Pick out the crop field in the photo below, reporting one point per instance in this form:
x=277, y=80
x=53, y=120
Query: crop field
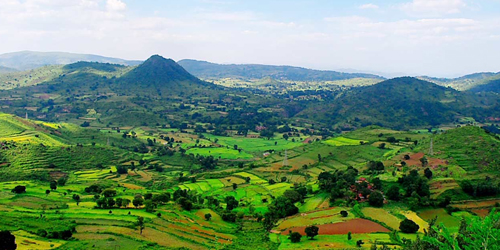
x=314, y=218
x=97, y=160
x=355, y=226
x=452, y=222
x=255, y=144
x=220, y=153
x=383, y=216
x=342, y=141
x=313, y=203
x=417, y=219
x=333, y=241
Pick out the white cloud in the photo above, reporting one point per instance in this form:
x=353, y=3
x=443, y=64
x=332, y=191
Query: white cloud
x=369, y=6
x=434, y=7
x=115, y=5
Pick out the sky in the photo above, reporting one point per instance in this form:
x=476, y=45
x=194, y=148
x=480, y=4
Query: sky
x=442, y=38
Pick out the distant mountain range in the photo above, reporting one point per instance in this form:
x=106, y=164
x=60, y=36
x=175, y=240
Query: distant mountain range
x=25, y=60
x=161, y=90
x=207, y=70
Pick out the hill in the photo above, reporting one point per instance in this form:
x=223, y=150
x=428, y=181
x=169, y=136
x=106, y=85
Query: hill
x=6, y=70
x=207, y=70
x=472, y=148
x=465, y=82
x=112, y=93
x=397, y=103
x=26, y=60
x=491, y=86
x=162, y=75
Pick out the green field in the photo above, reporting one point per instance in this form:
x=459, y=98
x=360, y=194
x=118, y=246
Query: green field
x=342, y=141
x=35, y=153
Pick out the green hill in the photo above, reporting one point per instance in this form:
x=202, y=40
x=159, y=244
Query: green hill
x=161, y=75
x=491, y=86
x=397, y=103
x=207, y=70
x=464, y=82
x=470, y=147
x=25, y=60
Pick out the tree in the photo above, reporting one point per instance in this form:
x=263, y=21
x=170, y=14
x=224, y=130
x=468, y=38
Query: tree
x=381, y=146
x=377, y=183
x=111, y=202
x=319, y=157
x=53, y=185
x=122, y=169
x=376, y=165
x=428, y=173
x=7, y=241
x=150, y=206
x=140, y=224
x=228, y=216
x=19, y=189
x=62, y=181
x=231, y=203
x=208, y=216
x=349, y=236
x=138, y=201
x=292, y=195
x=344, y=213
x=359, y=243
x=311, y=231
x=109, y=193
x=47, y=192
x=424, y=161
x=125, y=202
x=376, y=199
x=408, y=226
x=393, y=193
x=295, y=237
x=235, y=186
x=77, y=199
x=185, y=203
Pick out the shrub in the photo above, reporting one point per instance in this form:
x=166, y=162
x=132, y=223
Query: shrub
x=408, y=226
x=19, y=189
x=295, y=237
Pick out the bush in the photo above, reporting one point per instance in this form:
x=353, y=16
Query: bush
x=295, y=237
x=311, y=231
x=376, y=199
x=393, y=193
x=19, y=189
x=7, y=240
x=228, y=216
x=408, y=226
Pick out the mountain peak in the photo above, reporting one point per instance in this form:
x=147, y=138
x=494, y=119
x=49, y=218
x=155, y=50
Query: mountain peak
x=159, y=71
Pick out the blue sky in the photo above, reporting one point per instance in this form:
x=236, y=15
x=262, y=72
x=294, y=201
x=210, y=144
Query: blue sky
x=406, y=37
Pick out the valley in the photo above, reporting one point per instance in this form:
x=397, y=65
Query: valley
x=108, y=156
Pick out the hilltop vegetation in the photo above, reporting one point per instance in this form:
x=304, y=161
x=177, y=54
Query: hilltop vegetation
x=491, y=86
x=400, y=103
x=465, y=82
